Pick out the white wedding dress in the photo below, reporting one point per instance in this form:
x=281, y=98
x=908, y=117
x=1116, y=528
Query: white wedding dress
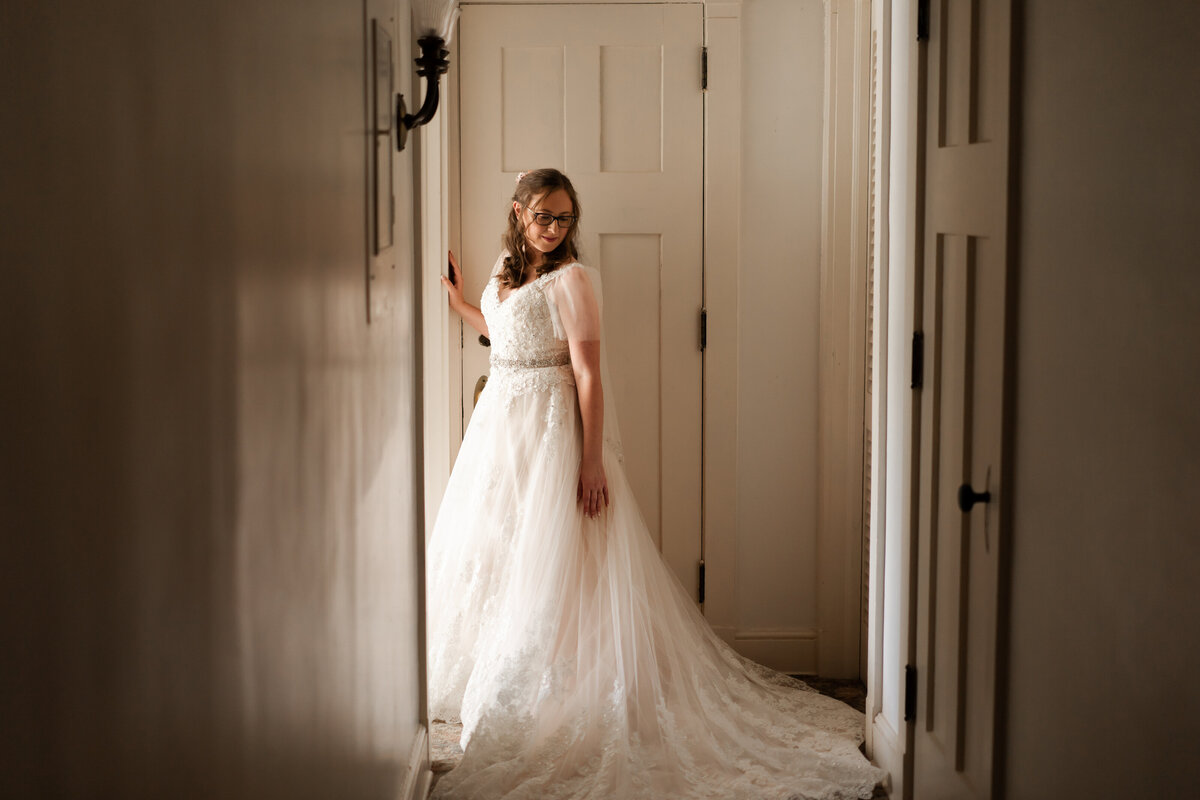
x=575, y=661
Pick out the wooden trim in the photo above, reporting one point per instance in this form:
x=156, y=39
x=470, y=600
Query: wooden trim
x=887, y=753
x=793, y=652
x=436, y=324
x=454, y=324
x=418, y=775
x=914, y=304
x=722, y=247
x=789, y=650
x=595, y=2
x=882, y=27
x=1008, y=461
x=841, y=412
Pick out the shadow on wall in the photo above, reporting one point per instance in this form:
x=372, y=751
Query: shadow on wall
x=213, y=586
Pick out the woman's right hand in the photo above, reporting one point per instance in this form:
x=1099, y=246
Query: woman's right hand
x=454, y=284
x=454, y=293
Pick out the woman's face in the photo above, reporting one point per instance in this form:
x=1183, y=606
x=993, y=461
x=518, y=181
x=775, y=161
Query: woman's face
x=545, y=238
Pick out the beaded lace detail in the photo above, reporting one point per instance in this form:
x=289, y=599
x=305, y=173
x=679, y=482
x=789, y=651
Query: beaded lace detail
x=526, y=355
x=521, y=326
x=558, y=360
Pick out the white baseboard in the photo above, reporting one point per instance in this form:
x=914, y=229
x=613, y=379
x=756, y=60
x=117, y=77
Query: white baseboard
x=887, y=753
x=418, y=776
x=424, y=785
x=793, y=651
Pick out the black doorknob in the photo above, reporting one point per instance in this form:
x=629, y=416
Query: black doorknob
x=968, y=497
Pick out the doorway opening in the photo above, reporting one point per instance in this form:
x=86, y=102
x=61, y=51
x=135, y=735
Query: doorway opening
x=841, y=616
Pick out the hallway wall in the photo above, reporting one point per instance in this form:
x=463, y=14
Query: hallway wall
x=778, y=285
x=1103, y=696
x=211, y=549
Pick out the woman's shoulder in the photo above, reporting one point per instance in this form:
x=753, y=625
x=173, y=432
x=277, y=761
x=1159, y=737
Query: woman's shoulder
x=576, y=281
x=573, y=271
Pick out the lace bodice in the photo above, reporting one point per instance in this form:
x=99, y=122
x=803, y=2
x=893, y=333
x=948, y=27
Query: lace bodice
x=529, y=336
x=522, y=326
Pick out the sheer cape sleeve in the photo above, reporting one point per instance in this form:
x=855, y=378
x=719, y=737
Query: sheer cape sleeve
x=576, y=301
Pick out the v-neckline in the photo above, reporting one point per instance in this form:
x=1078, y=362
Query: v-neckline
x=502, y=300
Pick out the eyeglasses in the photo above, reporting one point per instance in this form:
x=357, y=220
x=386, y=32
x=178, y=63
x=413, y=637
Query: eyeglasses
x=544, y=219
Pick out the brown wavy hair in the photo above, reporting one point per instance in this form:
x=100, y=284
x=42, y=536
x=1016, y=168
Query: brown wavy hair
x=533, y=185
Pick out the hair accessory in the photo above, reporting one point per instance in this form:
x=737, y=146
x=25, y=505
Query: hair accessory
x=521, y=175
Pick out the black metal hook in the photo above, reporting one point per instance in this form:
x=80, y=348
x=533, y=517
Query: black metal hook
x=431, y=65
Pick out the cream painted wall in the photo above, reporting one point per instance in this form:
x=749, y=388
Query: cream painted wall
x=778, y=321
x=210, y=478
x=1106, y=529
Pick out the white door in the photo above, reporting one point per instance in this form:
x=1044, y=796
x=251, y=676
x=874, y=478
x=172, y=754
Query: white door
x=611, y=95
x=965, y=269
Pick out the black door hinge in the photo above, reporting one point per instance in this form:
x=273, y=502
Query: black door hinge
x=704, y=69
x=918, y=360
x=910, y=693
x=923, y=21
x=703, y=328
x=700, y=592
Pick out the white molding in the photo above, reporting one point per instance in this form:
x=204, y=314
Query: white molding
x=842, y=339
x=418, y=774
x=882, y=28
x=722, y=254
x=454, y=323
x=595, y=2
x=430, y=146
x=723, y=9
x=892, y=736
x=423, y=787
x=789, y=650
x=886, y=751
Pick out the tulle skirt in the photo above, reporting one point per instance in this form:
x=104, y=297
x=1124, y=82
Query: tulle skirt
x=575, y=661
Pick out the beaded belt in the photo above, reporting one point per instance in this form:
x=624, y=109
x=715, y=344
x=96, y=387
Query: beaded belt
x=538, y=362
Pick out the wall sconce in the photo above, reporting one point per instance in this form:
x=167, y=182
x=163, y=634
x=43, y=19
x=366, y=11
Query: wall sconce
x=433, y=21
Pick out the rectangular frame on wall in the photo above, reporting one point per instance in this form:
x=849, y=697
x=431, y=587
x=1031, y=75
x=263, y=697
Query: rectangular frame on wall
x=380, y=70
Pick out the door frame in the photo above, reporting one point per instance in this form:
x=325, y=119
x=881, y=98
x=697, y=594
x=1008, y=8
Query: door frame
x=833, y=648
x=897, y=423
x=843, y=357
x=436, y=171
x=722, y=258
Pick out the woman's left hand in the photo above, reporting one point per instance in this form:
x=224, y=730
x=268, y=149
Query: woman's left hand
x=593, y=487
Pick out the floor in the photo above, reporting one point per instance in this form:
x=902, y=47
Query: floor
x=446, y=753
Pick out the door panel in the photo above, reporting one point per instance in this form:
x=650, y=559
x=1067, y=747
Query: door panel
x=611, y=95
x=965, y=277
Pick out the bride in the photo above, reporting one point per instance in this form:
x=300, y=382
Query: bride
x=576, y=663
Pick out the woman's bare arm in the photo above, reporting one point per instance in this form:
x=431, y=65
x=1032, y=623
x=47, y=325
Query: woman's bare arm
x=471, y=314
x=593, y=484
